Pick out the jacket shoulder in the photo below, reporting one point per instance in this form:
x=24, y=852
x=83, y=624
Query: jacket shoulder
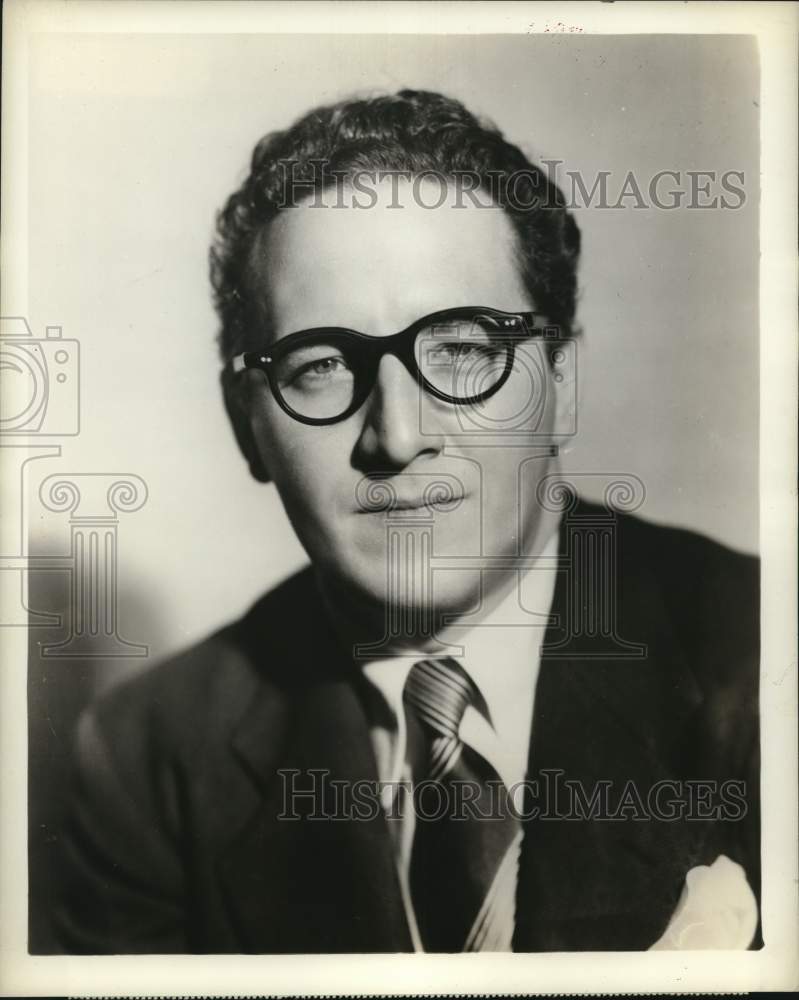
x=711, y=597
x=709, y=589
x=184, y=708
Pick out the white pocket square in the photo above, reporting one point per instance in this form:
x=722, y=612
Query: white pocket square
x=717, y=909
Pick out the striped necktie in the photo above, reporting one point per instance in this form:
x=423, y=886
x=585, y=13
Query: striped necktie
x=465, y=849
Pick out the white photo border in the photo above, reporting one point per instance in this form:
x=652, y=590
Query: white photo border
x=772, y=967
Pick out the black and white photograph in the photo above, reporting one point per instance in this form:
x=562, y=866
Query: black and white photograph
x=398, y=468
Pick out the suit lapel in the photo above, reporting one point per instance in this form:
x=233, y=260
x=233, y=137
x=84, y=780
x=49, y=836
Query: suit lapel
x=312, y=884
x=600, y=717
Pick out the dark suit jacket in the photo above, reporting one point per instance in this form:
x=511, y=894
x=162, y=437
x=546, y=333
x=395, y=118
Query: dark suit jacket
x=174, y=844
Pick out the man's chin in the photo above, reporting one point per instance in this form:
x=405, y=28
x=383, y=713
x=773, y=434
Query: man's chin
x=390, y=598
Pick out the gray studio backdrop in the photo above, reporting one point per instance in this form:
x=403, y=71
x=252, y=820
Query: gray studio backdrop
x=135, y=141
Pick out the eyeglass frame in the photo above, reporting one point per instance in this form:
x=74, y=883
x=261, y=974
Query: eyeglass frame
x=519, y=326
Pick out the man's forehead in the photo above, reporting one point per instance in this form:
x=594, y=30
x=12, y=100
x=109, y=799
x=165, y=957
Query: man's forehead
x=383, y=265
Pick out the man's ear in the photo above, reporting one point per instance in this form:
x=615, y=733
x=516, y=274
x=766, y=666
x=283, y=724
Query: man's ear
x=236, y=396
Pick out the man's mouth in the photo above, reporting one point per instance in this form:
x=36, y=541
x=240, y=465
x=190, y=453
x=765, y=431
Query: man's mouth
x=384, y=501
x=424, y=492
x=420, y=503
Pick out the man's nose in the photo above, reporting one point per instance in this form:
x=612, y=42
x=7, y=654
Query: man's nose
x=392, y=435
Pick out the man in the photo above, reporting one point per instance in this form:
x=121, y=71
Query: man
x=489, y=716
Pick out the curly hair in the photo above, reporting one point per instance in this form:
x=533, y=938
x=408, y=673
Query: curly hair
x=411, y=132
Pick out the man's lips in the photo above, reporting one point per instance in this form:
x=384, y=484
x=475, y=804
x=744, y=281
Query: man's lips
x=433, y=502
x=432, y=492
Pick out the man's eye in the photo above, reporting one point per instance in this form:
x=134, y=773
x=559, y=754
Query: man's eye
x=458, y=351
x=321, y=369
x=326, y=365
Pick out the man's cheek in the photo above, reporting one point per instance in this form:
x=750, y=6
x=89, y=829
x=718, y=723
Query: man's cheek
x=315, y=500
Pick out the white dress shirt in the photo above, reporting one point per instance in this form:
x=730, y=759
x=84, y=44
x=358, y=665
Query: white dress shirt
x=501, y=654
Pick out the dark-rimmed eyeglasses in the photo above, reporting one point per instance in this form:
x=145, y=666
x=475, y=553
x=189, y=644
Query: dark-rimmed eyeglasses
x=460, y=356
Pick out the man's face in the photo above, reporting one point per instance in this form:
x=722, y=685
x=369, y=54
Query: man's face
x=377, y=270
